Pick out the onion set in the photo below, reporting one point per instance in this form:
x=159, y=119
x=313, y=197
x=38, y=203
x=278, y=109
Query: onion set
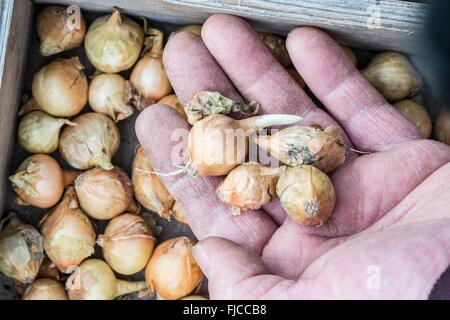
x=39, y=181
x=278, y=48
x=293, y=146
x=39, y=132
x=179, y=214
x=148, y=189
x=45, y=289
x=149, y=77
x=307, y=195
x=417, y=114
x=59, y=29
x=172, y=101
x=111, y=94
x=69, y=236
x=21, y=249
x=193, y=28
x=95, y=280
x=104, y=194
x=60, y=88
x=127, y=243
x=249, y=186
x=113, y=43
x=91, y=143
x=206, y=103
x=172, y=270
x=49, y=270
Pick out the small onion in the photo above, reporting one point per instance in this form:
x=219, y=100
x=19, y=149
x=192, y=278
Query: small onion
x=59, y=29
x=45, y=289
x=194, y=298
x=39, y=132
x=417, y=114
x=193, y=28
x=21, y=250
x=113, y=43
x=49, y=270
x=39, y=181
x=61, y=88
x=70, y=176
x=91, y=143
x=94, y=280
x=149, y=77
x=104, y=194
x=172, y=270
x=111, y=94
x=173, y=101
x=351, y=55
x=127, y=243
x=277, y=46
x=69, y=236
x=442, y=128
x=148, y=189
x=307, y=195
x=179, y=214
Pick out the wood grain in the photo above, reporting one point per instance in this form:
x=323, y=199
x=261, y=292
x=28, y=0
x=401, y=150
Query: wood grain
x=350, y=22
x=15, y=23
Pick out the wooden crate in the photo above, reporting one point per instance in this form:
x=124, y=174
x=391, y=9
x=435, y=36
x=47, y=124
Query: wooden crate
x=352, y=23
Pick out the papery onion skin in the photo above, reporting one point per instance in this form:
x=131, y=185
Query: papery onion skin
x=417, y=114
x=39, y=132
x=350, y=54
x=95, y=280
x=48, y=270
x=91, y=143
x=442, y=128
x=39, y=181
x=69, y=236
x=172, y=270
x=61, y=88
x=148, y=189
x=193, y=28
x=104, y=194
x=149, y=77
x=179, y=214
x=277, y=46
x=127, y=243
x=249, y=186
x=307, y=195
x=113, y=43
x=45, y=289
x=172, y=101
x=21, y=250
x=59, y=30
x=111, y=94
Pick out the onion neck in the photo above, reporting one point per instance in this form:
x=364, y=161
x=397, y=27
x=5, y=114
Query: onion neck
x=264, y=121
x=154, y=43
x=25, y=180
x=124, y=287
x=115, y=18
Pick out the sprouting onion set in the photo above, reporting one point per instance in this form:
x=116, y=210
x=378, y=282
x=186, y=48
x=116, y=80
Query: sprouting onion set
x=54, y=259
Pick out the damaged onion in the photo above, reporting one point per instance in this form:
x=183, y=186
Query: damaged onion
x=91, y=143
x=39, y=181
x=148, y=189
x=69, y=236
x=45, y=289
x=111, y=94
x=104, y=194
x=206, y=103
x=127, y=243
x=59, y=30
x=172, y=270
x=249, y=186
x=94, y=280
x=21, y=249
x=323, y=148
x=306, y=194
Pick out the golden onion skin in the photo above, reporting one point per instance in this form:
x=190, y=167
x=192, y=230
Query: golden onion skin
x=442, y=128
x=172, y=101
x=45, y=289
x=417, y=114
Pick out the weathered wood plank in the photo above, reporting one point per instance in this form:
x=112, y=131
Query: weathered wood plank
x=15, y=22
x=374, y=24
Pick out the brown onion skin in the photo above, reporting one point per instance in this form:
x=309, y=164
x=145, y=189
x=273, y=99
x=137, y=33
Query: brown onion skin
x=172, y=101
x=442, y=128
x=61, y=88
x=54, y=34
x=92, y=189
x=172, y=270
x=417, y=114
x=45, y=289
x=50, y=181
x=127, y=243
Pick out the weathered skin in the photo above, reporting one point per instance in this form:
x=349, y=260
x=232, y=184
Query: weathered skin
x=392, y=209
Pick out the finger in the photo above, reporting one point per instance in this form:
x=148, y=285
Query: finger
x=371, y=122
x=159, y=129
x=192, y=69
x=255, y=72
x=235, y=273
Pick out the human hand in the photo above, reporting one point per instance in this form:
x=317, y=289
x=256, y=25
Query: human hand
x=392, y=213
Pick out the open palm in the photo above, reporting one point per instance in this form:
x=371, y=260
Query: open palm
x=389, y=235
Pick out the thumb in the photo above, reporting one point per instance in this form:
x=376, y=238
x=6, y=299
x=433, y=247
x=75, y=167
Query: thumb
x=233, y=272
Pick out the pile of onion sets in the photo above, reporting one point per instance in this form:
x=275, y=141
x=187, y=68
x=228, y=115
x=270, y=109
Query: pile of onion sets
x=70, y=127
